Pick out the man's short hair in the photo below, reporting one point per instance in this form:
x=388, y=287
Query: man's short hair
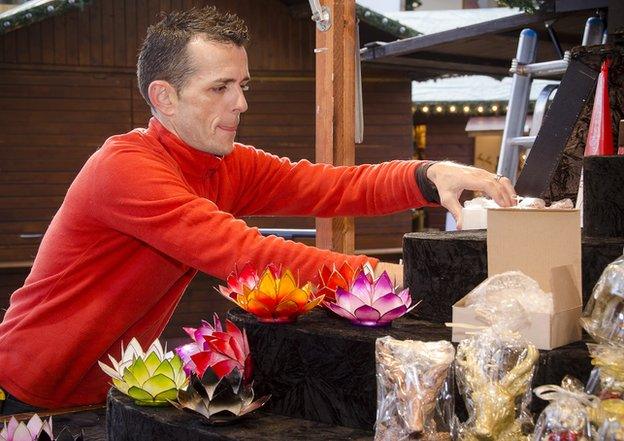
x=163, y=55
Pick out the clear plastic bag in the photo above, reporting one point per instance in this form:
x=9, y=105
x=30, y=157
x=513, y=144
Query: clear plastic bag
x=567, y=417
x=494, y=371
x=508, y=289
x=607, y=382
x=603, y=317
x=414, y=390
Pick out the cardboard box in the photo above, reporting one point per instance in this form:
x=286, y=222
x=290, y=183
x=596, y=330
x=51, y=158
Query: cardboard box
x=546, y=246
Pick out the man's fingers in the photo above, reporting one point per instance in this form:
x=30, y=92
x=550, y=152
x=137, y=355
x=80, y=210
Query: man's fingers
x=509, y=189
x=451, y=203
x=501, y=190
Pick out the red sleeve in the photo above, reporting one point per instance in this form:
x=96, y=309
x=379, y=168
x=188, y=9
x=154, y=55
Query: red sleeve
x=277, y=186
x=142, y=196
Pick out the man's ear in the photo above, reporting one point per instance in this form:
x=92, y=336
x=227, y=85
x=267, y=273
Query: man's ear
x=163, y=97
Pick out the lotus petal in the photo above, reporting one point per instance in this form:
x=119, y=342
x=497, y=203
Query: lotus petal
x=168, y=395
x=22, y=433
x=35, y=424
x=296, y=295
x=286, y=284
x=139, y=370
x=383, y=286
x=287, y=309
x=387, y=302
x=139, y=394
x=258, y=309
x=223, y=346
x=348, y=301
x=405, y=297
x=158, y=383
x=341, y=311
x=362, y=288
x=109, y=371
x=313, y=303
x=255, y=405
x=366, y=314
x=165, y=369
x=393, y=314
x=152, y=362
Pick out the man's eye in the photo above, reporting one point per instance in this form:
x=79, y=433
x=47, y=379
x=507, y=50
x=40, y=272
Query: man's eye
x=245, y=88
x=220, y=89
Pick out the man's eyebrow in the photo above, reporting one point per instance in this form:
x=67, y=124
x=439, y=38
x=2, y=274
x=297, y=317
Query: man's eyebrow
x=230, y=80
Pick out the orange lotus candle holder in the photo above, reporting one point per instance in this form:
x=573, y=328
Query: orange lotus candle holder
x=274, y=298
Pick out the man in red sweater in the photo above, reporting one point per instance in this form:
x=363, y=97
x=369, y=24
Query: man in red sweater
x=153, y=206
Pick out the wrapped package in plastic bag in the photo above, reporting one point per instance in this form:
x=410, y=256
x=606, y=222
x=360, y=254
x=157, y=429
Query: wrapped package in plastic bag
x=499, y=291
x=603, y=317
x=607, y=382
x=567, y=417
x=494, y=369
x=414, y=390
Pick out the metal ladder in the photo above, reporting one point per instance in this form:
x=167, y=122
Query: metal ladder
x=524, y=69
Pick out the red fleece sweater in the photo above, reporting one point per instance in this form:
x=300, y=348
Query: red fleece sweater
x=142, y=216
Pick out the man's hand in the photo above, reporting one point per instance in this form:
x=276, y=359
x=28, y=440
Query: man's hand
x=452, y=179
x=395, y=271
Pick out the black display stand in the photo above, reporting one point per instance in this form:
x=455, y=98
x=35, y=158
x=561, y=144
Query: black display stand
x=441, y=268
x=322, y=368
x=126, y=421
x=603, y=196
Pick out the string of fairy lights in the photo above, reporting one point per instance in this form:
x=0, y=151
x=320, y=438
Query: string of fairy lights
x=462, y=108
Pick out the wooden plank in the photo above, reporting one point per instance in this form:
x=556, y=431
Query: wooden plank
x=108, y=34
x=72, y=30
x=22, y=45
x=95, y=28
x=335, y=118
x=10, y=47
x=60, y=49
x=84, y=31
x=57, y=104
x=64, y=92
x=131, y=33
x=34, y=41
x=119, y=35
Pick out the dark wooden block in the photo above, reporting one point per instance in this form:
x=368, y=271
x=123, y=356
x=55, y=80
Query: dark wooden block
x=442, y=267
x=128, y=422
x=603, y=196
x=322, y=368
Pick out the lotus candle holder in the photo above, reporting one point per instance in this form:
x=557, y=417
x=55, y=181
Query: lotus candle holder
x=275, y=298
x=220, y=350
x=219, y=400
x=151, y=378
x=371, y=302
x=332, y=278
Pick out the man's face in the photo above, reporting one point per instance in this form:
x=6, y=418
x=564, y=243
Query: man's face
x=208, y=108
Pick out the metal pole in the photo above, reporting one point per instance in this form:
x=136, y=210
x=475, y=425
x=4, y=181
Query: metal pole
x=518, y=104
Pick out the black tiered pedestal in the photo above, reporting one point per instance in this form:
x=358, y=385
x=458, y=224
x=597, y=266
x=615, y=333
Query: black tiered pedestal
x=441, y=268
x=322, y=368
x=128, y=422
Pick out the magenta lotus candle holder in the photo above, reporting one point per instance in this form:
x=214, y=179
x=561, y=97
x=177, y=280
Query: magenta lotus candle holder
x=371, y=302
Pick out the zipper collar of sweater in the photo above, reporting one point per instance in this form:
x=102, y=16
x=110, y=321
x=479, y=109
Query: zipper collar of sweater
x=191, y=161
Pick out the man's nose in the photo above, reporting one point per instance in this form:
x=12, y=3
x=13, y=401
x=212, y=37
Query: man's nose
x=241, y=103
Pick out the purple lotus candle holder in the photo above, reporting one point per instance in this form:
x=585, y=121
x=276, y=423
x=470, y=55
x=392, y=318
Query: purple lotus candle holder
x=371, y=302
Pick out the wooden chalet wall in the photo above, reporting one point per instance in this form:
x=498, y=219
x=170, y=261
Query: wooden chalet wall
x=68, y=83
